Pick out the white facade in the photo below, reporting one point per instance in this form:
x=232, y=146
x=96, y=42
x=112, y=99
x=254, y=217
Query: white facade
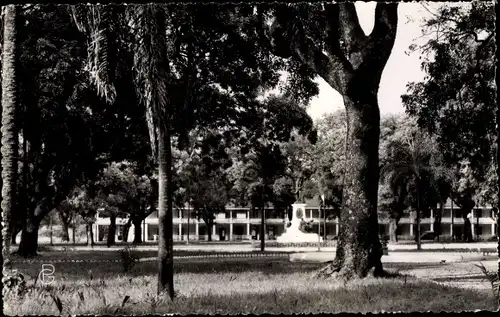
x=238, y=224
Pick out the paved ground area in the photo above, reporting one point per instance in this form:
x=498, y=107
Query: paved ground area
x=247, y=247
x=444, y=246
x=459, y=274
x=401, y=257
x=454, y=269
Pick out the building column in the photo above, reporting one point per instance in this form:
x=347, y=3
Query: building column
x=411, y=229
x=432, y=222
x=493, y=229
x=230, y=225
x=213, y=232
x=337, y=228
x=180, y=231
x=96, y=232
x=451, y=230
x=197, y=230
x=146, y=233
x=248, y=230
x=472, y=229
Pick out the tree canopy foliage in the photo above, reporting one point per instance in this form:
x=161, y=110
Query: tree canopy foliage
x=456, y=100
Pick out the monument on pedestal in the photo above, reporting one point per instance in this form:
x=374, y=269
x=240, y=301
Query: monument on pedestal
x=292, y=232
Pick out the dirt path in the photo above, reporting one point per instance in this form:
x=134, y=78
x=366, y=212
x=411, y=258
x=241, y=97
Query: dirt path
x=460, y=274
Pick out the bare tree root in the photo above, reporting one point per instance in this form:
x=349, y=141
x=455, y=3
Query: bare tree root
x=328, y=271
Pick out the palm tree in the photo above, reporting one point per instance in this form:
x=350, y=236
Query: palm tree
x=9, y=129
x=140, y=29
x=412, y=168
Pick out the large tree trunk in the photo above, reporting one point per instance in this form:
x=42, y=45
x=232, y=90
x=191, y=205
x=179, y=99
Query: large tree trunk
x=209, y=230
x=437, y=220
x=137, y=230
x=393, y=227
x=73, y=232
x=189, y=220
x=65, y=230
x=29, y=237
x=359, y=248
x=418, y=234
x=466, y=204
x=467, y=229
x=9, y=134
x=126, y=229
x=112, y=230
x=90, y=235
x=165, y=213
x=33, y=218
x=262, y=227
x=353, y=67
x=51, y=232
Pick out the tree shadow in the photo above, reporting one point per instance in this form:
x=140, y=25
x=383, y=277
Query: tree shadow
x=105, y=270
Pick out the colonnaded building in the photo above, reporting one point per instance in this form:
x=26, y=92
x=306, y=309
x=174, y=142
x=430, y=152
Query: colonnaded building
x=237, y=224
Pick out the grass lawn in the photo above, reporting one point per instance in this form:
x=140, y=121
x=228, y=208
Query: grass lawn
x=230, y=287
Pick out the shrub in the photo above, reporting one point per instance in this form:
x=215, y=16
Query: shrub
x=13, y=282
x=128, y=259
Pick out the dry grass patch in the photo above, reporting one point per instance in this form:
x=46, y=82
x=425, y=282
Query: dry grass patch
x=276, y=288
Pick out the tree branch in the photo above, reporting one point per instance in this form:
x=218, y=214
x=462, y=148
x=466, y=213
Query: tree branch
x=288, y=38
x=379, y=45
x=333, y=40
x=352, y=36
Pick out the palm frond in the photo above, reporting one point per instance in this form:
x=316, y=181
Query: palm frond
x=387, y=171
x=96, y=22
x=494, y=281
x=151, y=65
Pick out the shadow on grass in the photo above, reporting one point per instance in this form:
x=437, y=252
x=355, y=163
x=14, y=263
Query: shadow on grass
x=79, y=270
x=456, y=278
x=405, y=265
x=115, y=254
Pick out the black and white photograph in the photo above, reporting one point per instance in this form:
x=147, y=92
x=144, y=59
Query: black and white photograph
x=234, y=158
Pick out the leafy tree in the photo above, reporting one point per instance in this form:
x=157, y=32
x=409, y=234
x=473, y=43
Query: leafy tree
x=327, y=40
x=262, y=160
x=124, y=193
x=57, y=118
x=300, y=156
x=486, y=192
x=9, y=128
x=284, y=197
x=410, y=169
x=66, y=215
x=211, y=199
x=115, y=188
x=458, y=93
x=203, y=178
x=330, y=159
x=191, y=82
x=144, y=202
x=392, y=204
x=84, y=201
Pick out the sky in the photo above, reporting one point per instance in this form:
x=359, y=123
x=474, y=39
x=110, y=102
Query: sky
x=399, y=70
